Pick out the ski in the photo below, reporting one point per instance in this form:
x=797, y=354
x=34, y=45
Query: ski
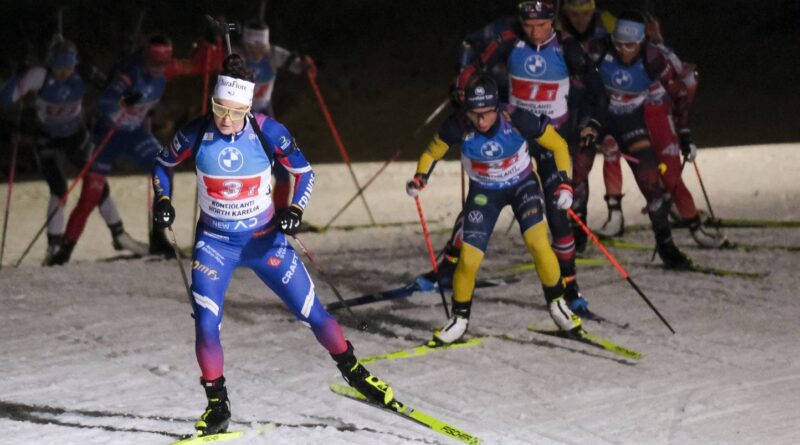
x=410, y=289
x=410, y=413
x=729, y=245
x=421, y=350
x=588, y=338
x=579, y=261
x=752, y=223
x=716, y=271
x=219, y=437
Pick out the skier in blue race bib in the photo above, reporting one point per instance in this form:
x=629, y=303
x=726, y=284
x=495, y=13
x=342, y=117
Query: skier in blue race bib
x=60, y=133
x=495, y=139
x=234, y=153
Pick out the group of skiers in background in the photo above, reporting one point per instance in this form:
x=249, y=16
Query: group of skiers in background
x=536, y=97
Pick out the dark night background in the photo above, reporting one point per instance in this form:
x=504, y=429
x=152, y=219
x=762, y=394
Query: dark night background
x=385, y=65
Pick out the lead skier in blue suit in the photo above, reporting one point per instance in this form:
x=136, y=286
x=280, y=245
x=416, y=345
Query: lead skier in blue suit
x=234, y=153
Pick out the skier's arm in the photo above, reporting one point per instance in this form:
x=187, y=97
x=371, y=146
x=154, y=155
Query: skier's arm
x=582, y=69
x=539, y=129
x=283, y=58
x=285, y=150
x=497, y=51
x=449, y=134
x=21, y=84
x=120, y=86
x=174, y=153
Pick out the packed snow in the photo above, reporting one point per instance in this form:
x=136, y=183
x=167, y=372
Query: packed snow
x=101, y=351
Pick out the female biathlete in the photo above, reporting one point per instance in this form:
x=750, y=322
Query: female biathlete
x=234, y=153
x=495, y=140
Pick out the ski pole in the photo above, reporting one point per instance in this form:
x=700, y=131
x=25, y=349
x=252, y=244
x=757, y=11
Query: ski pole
x=12, y=171
x=312, y=74
x=362, y=325
x=433, y=115
x=174, y=243
x=361, y=190
x=705, y=195
x=75, y=181
x=619, y=268
x=431, y=253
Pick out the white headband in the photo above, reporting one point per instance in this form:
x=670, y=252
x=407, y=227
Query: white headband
x=256, y=36
x=237, y=90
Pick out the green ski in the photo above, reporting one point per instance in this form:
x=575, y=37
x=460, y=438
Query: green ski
x=421, y=350
x=590, y=339
x=412, y=414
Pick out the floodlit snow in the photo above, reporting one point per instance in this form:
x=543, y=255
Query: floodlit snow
x=101, y=352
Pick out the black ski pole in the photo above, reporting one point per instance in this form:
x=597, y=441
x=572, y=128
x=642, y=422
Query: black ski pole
x=705, y=195
x=616, y=265
x=179, y=258
x=362, y=325
x=12, y=170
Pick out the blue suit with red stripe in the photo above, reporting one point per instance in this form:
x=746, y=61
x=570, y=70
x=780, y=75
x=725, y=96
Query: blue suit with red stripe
x=237, y=227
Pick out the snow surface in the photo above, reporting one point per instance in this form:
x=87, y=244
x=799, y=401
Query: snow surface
x=102, y=352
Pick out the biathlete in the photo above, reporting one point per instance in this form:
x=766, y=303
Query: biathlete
x=234, y=153
x=60, y=133
x=629, y=79
x=495, y=139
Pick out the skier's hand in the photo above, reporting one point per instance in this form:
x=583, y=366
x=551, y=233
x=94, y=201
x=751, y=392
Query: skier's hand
x=163, y=213
x=589, y=134
x=131, y=98
x=564, y=193
x=414, y=186
x=289, y=220
x=688, y=148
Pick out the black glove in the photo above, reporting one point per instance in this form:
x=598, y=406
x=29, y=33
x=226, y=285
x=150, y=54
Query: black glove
x=290, y=219
x=589, y=132
x=131, y=98
x=163, y=213
x=688, y=148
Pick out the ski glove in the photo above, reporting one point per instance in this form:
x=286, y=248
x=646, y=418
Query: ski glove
x=163, y=213
x=414, y=186
x=688, y=148
x=290, y=219
x=564, y=193
x=131, y=98
x=589, y=134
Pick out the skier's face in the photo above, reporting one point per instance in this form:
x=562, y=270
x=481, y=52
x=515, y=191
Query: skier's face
x=228, y=115
x=538, y=30
x=627, y=50
x=255, y=52
x=62, y=73
x=482, y=118
x=579, y=20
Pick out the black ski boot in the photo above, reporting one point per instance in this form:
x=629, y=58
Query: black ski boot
x=53, y=244
x=159, y=244
x=447, y=267
x=62, y=253
x=357, y=376
x=217, y=415
x=672, y=257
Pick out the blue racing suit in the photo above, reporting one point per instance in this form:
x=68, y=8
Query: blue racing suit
x=237, y=227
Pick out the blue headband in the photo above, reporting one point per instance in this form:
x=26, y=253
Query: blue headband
x=629, y=31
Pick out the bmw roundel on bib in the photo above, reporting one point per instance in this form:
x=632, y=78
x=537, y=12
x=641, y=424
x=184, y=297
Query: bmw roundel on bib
x=535, y=65
x=230, y=159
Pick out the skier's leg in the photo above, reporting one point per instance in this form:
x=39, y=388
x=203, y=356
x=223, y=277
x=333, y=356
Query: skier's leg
x=529, y=210
x=612, y=176
x=213, y=263
x=481, y=211
x=274, y=260
x=48, y=158
x=582, y=164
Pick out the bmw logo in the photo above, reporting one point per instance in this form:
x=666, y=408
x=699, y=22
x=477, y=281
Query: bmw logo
x=491, y=149
x=621, y=79
x=535, y=65
x=230, y=159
